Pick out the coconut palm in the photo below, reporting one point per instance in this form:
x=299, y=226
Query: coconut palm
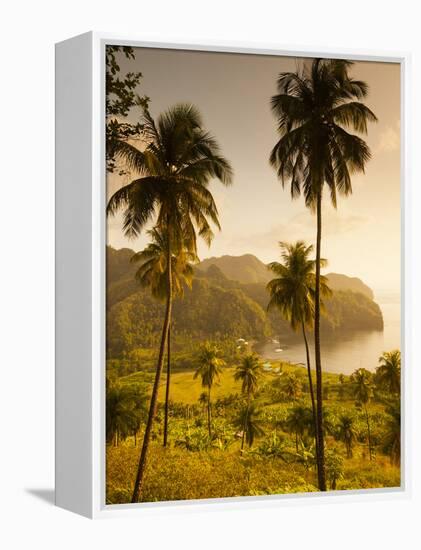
x=209, y=369
x=392, y=437
x=125, y=410
x=341, y=388
x=152, y=274
x=175, y=167
x=345, y=432
x=334, y=467
x=249, y=420
x=315, y=107
x=292, y=386
x=298, y=422
x=292, y=292
x=363, y=392
x=248, y=372
x=388, y=374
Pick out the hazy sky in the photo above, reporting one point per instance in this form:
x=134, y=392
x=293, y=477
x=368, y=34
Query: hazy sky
x=361, y=238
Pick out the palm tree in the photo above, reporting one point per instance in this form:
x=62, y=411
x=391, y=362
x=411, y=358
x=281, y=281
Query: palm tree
x=334, y=467
x=249, y=420
x=392, y=438
x=152, y=274
x=292, y=292
x=249, y=373
x=292, y=386
x=345, y=432
x=363, y=392
x=209, y=369
x=177, y=163
x=388, y=374
x=341, y=390
x=125, y=409
x=298, y=421
x=314, y=108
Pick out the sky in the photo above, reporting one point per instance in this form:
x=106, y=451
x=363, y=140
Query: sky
x=361, y=238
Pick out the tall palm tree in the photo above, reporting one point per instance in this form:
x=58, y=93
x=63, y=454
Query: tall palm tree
x=363, y=392
x=345, y=432
x=248, y=372
x=292, y=292
x=388, y=374
x=209, y=369
x=176, y=165
x=152, y=274
x=249, y=420
x=315, y=107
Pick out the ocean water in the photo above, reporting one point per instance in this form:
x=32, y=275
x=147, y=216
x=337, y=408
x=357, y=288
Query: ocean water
x=345, y=351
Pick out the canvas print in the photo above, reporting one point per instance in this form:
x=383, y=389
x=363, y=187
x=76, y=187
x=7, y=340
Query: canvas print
x=253, y=275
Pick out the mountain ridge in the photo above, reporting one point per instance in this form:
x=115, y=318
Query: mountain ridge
x=255, y=271
x=215, y=307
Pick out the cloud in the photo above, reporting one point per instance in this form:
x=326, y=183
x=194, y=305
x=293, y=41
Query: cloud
x=302, y=226
x=389, y=139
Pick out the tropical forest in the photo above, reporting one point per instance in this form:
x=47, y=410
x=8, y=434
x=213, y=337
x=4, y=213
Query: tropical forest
x=252, y=336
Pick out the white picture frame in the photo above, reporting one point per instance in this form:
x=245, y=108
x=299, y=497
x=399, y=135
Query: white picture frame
x=80, y=277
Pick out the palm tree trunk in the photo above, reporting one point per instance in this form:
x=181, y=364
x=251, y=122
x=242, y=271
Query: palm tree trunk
x=368, y=432
x=348, y=449
x=245, y=423
x=209, y=412
x=167, y=389
x=310, y=381
x=137, y=491
x=321, y=475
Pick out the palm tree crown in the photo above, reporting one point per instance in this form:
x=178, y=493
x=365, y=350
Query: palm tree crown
x=388, y=374
x=313, y=109
x=249, y=373
x=209, y=365
x=363, y=387
x=346, y=432
x=249, y=420
x=178, y=161
x=293, y=289
x=152, y=272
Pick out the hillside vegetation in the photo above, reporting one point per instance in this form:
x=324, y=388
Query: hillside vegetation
x=217, y=307
x=281, y=460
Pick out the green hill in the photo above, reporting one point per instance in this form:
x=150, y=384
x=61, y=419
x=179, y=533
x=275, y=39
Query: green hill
x=207, y=311
x=246, y=268
x=217, y=307
x=337, y=281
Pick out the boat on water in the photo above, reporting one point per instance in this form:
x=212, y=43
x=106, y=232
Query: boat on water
x=278, y=350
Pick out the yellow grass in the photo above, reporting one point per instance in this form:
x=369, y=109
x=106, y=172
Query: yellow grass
x=186, y=389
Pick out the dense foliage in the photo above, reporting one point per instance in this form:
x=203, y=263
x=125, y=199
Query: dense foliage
x=279, y=453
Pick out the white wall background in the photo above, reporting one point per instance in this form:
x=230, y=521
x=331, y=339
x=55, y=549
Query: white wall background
x=28, y=32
